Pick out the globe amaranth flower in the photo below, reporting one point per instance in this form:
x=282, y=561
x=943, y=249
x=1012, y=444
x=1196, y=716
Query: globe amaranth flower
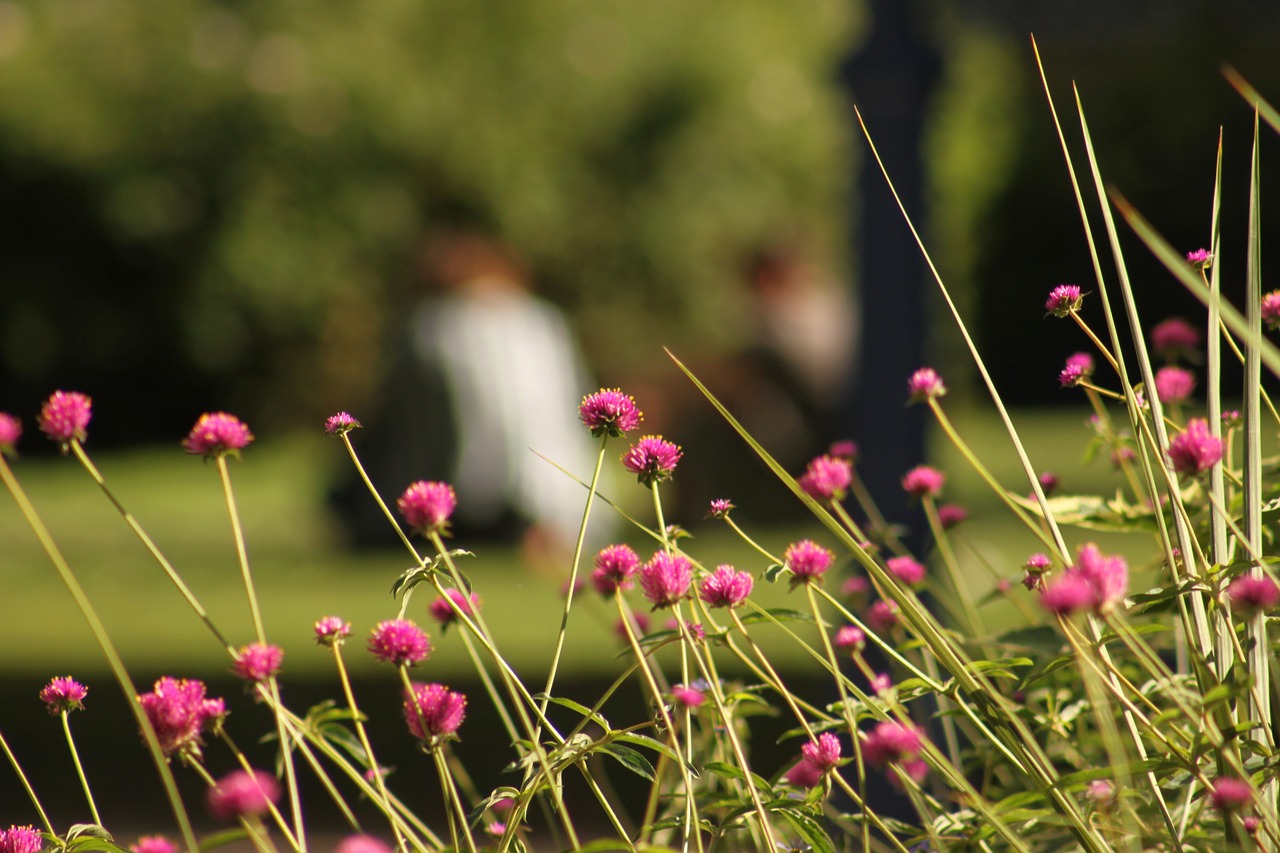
x=1271, y=309
x=1229, y=793
x=665, y=579
x=1101, y=792
x=1195, y=450
x=891, y=741
x=243, y=794
x=719, y=508
x=1108, y=576
x=10, y=432
x=687, y=698
x=1049, y=483
x=1174, y=337
x=362, y=844
x=426, y=506
x=64, y=694
x=807, y=561
x=949, y=515
x=651, y=459
x=726, y=587
x=153, y=844
x=1064, y=299
x=827, y=478
x=399, y=642
x=340, y=424
x=804, y=774
x=21, y=839
x=1035, y=566
x=445, y=613
x=1253, y=594
x=258, y=662
x=1200, y=258
x=925, y=384
x=1174, y=385
x=881, y=683
x=906, y=569
x=609, y=412
x=65, y=416
x=1078, y=367
x=179, y=712
x=614, y=567
x=433, y=711
x=882, y=616
x=850, y=638
x=855, y=587
x=923, y=481
x=331, y=630
x=1066, y=593
x=217, y=434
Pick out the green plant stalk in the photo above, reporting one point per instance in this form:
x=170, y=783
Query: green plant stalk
x=745, y=538
x=327, y=784
x=26, y=785
x=75, y=758
x=453, y=800
x=657, y=514
x=60, y=564
x=845, y=706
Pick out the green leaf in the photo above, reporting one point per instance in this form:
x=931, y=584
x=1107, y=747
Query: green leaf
x=629, y=758
x=577, y=707
x=223, y=838
x=808, y=829
x=775, y=614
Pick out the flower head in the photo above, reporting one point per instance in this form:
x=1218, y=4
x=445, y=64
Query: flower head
x=614, y=567
x=1271, y=309
x=21, y=839
x=726, y=587
x=949, y=515
x=1200, y=258
x=843, y=449
x=881, y=683
x=651, y=459
x=1064, y=299
x=609, y=412
x=807, y=561
x=258, y=662
x=891, y=741
x=823, y=753
x=433, y=710
x=689, y=698
x=1253, y=594
x=1174, y=336
x=331, y=630
x=804, y=774
x=64, y=694
x=445, y=613
x=1229, y=793
x=882, y=616
x=10, y=432
x=855, y=587
x=1108, y=577
x=719, y=508
x=340, y=424
x=65, y=416
x=1035, y=566
x=665, y=579
x=362, y=844
x=426, y=506
x=399, y=642
x=826, y=478
x=1195, y=450
x=850, y=638
x=925, y=384
x=243, y=794
x=1049, y=482
x=1067, y=593
x=905, y=569
x=153, y=844
x=923, y=481
x=1174, y=385
x=179, y=713
x=217, y=434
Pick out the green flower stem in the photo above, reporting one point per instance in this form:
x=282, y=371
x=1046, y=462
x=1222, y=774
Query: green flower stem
x=75, y=757
x=151, y=547
x=958, y=587
x=872, y=511
x=858, y=533
x=612, y=815
x=745, y=538
x=657, y=514
x=363, y=735
x=108, y=649
x=1231, y=342
x=1104, y=417
x=368, y=484
x=453, y=803
x=774, y=679
x=327, y=783
x=573, y=580
x=26, y=785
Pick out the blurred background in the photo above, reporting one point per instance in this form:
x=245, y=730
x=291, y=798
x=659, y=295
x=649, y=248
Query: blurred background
x=223, y=205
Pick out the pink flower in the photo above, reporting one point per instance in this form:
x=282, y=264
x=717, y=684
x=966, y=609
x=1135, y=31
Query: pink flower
x=445, y=613
x=1229, y=794
x=330, y=631
x=850, y=638
x=243, y=794
x=689, y=698
x=10, y=432
x=1200, y=258
x=881, y=684
x=925, y=384
x=153, y=844
x=258, y=662
x=426, y=506
x=891, y=741
x=726, y=587
x=1064, y=299
x=1174, y=336
x=217, y=434
x=805, y=774
x=651, y=459
x=179, y=713
x=1067, y=593
x=827, y=478
x=1108, y=577
x=665, y=579
x=915, y=769
x=845, y=449
x=923, y=481
x=720, y=508
x=21, y=839
x=855, y=587
x=64, y=694
x=1101, y=791
x=614, y=567
x=1271, y=309
x=905, y=569
x=1049, y=483
x=1195, y=450
x=807, y=561
x=641, y=626
x=340, y=424
x=1174, y=385
x=399, y=642
x=1079, y=366
x=362, y=844
x=609, y=412
x=1036, y=566
x=433, y=710
x=949, y=515
x=65, y=416
x=823, y=753
x=882, y=616
x=1253, y=594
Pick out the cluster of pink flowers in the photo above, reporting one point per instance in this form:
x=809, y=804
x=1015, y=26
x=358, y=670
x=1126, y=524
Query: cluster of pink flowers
x=258, y=662
x=433, y=711
x=1079, y=367
x=446, y=614
x=1174, y=385
x=665, y=579
x=949, y=515
x=243, y=794
x=217, y=434
x=850, y=638
x=179, y=712
x=1200, y=258
x=807, y=561
x=1064, y=299
x=63, y=695
x=925, y=384
x=153, y=844
x=10, y=432
x=1035, y=566
x=906, y=569
x=614, y=567
x=1271, y=309
x=1097, y=582
x=65, y=416
x=892, y=742
x=1174, y=337
x=331, y=630
x=1253, y=594
x=726, y=587
x=923, y=481
x=1195, y=450
x=1229, y=794
x=340, y=424
x=609, y=412
x=882, y=616
x=362, y=844
x=21, y=839
x=688, y=698
x=399, y=642
x=719, y=508
x=427, y=505
x=827, y=478
x=817, y=758
x=651, y=459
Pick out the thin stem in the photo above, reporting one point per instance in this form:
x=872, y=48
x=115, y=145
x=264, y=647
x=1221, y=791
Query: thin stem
x=26, y=785
x=75, y=757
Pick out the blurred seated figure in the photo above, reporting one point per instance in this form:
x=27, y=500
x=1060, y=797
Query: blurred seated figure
x=485, y=374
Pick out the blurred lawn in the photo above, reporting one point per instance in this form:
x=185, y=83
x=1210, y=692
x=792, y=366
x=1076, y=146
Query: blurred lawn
x=302, y=575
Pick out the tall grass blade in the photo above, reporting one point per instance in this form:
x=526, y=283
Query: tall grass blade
x=1269, y=113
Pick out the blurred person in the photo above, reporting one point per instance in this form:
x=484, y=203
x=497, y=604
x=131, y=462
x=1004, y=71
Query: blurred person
x=485, y=374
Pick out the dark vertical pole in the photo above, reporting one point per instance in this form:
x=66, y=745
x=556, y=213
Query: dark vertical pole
x=890, y=80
